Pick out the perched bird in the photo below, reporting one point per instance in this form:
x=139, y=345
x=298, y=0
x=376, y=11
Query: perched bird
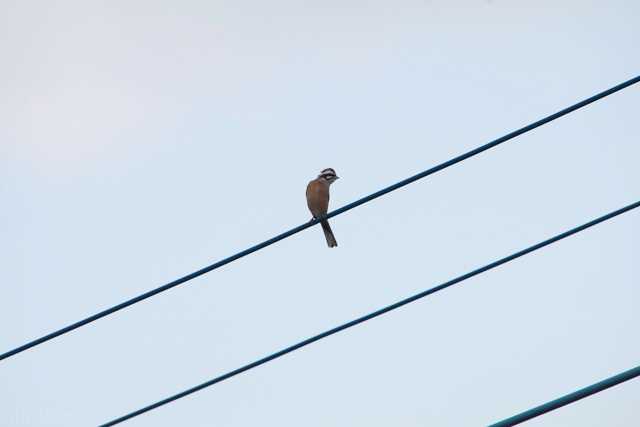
x=318, y=201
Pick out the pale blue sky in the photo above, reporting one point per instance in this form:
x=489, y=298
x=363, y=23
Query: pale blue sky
x=142, y=140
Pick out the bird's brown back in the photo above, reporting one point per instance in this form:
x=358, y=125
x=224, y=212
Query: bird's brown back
x=318, y=197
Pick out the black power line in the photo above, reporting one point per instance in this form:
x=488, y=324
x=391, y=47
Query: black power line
x=373, y=314
x=569, y=398
x=299, y=228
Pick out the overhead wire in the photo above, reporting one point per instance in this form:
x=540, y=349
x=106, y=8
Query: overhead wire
x=374, y=314
x=302, y=227
x=569, y=398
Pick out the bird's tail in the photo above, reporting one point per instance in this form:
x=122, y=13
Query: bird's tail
x=328, y=234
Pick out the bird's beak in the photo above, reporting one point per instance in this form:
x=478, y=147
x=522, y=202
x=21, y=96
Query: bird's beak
x=337, y=177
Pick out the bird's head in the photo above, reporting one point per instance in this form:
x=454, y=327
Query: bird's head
x=328, y=175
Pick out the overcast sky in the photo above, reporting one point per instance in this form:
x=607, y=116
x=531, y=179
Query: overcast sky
x=143, y=140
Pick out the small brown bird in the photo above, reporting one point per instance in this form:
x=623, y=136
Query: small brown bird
x=318, y=201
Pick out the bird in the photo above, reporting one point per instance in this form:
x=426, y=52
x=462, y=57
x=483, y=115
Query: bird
x=318, y=201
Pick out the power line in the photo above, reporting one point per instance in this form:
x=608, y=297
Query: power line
x=569, y=398
x=373, y=314
x=302, y=227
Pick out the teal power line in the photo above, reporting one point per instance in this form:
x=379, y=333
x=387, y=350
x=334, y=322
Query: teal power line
x=374, y=314
x=306, y=225
x=569, y=398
